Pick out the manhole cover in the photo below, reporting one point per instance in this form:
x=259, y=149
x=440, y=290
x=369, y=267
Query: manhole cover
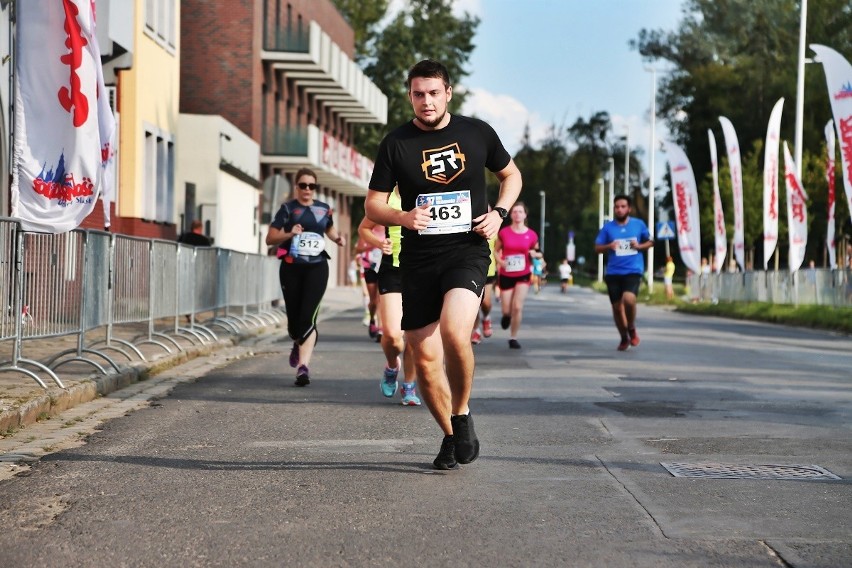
x=735, y=471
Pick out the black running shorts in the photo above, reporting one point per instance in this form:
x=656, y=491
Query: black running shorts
x=508, y=282
x=370, y=276
x=618, y=284
x=390, y=279
x=426, y=279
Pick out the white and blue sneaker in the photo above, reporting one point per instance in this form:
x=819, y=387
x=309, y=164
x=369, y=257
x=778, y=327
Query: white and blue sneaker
x=409, y=395
x=389, y=380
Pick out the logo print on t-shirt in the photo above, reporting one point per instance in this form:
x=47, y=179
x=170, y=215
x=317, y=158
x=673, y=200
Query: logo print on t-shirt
x=443, y=165
x=319, y=212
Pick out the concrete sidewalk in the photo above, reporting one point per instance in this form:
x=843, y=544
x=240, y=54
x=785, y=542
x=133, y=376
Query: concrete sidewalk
x=24, y=402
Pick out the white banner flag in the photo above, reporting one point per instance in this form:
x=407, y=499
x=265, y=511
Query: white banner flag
x=720, y=232
x=797, y=213
x=107, y=132
x=829, y=178
x=57, y=166
x=770, y=183
x=685, y=193
x=733, y=147
x=838, y=77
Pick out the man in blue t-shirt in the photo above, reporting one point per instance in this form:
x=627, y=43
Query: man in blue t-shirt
x=622, y=239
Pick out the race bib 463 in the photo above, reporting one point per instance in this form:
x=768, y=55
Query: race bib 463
x=450, y=211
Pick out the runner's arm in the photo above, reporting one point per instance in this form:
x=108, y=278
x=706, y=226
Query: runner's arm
x=336, y=237
x=510, y=189
x=366, y=234
x=643, y=246
x=498, y=252
x=377, y=209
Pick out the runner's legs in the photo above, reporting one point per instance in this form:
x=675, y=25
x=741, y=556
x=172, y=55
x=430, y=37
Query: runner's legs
x=390, y=313
x=429, y=365
x=518, y=298
x=457, y=317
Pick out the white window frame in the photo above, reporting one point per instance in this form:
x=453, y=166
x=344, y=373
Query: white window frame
x=158, y=175
x=160, y=17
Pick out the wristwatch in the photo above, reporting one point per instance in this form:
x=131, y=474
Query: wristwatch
x=502, y=212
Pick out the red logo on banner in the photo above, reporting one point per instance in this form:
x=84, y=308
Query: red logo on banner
x=73, y=97
x=846, y=144
x=60, y=185
x=845, y=92
x=682, y=208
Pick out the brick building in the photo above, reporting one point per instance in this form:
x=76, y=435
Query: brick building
x=282, y=72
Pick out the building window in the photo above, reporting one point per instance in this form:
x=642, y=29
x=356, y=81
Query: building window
x=160, y=16
x=159, y=197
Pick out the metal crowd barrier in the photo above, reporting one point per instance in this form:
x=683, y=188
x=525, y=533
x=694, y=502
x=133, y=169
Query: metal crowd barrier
x=807, y=286
x=81, y=283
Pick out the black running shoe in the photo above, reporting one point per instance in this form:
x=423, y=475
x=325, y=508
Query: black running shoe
x=513, y=344
x=467, y=444
x=505, y=322
x=447, y=456
x=302, y=377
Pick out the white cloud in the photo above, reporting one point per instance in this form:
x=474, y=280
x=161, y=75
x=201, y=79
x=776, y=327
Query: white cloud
x=507, y=115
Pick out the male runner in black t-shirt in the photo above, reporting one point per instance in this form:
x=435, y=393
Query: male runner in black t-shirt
x=439, y=160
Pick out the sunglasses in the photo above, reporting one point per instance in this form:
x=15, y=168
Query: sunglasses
x=303, y=185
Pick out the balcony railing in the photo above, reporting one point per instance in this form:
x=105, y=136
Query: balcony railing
x=282, y=141
x=285, y=36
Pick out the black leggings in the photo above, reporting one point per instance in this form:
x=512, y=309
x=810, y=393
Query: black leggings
x=303, y=286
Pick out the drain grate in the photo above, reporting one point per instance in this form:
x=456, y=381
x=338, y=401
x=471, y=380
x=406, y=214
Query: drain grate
x=734, y=471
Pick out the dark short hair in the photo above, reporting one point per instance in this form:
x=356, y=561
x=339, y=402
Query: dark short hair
x=304, y=172
x=624, y=197
x=428, y=69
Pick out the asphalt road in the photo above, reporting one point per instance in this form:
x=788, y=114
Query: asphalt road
x=241, y=468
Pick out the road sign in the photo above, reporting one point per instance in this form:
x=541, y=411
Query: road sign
x=665, y=231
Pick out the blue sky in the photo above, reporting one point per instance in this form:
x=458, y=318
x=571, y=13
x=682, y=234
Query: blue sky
x=546, y=61
x=540, y=62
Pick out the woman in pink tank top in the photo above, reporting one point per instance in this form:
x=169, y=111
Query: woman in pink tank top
x=512, y=250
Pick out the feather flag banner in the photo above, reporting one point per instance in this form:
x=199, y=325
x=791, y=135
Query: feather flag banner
x=57, y=168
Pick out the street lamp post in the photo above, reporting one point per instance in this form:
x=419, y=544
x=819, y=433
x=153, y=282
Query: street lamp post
x=600, y=224
x=627, y=161
x=800, y=89
x=541, y=236
x=652, y=205
x=611, y=184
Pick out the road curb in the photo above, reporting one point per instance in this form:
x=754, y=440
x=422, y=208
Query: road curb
x=55, y=401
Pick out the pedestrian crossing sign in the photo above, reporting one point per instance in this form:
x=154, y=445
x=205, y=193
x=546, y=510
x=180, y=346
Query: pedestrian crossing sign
x=665, y=231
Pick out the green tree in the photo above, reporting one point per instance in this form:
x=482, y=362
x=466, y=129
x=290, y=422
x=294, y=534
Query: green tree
x=735, y=58
x=423, y=29
x=362, y=15
x=567, y=167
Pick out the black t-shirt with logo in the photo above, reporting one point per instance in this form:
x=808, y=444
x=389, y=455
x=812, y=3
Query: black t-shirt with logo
x=447, y=160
